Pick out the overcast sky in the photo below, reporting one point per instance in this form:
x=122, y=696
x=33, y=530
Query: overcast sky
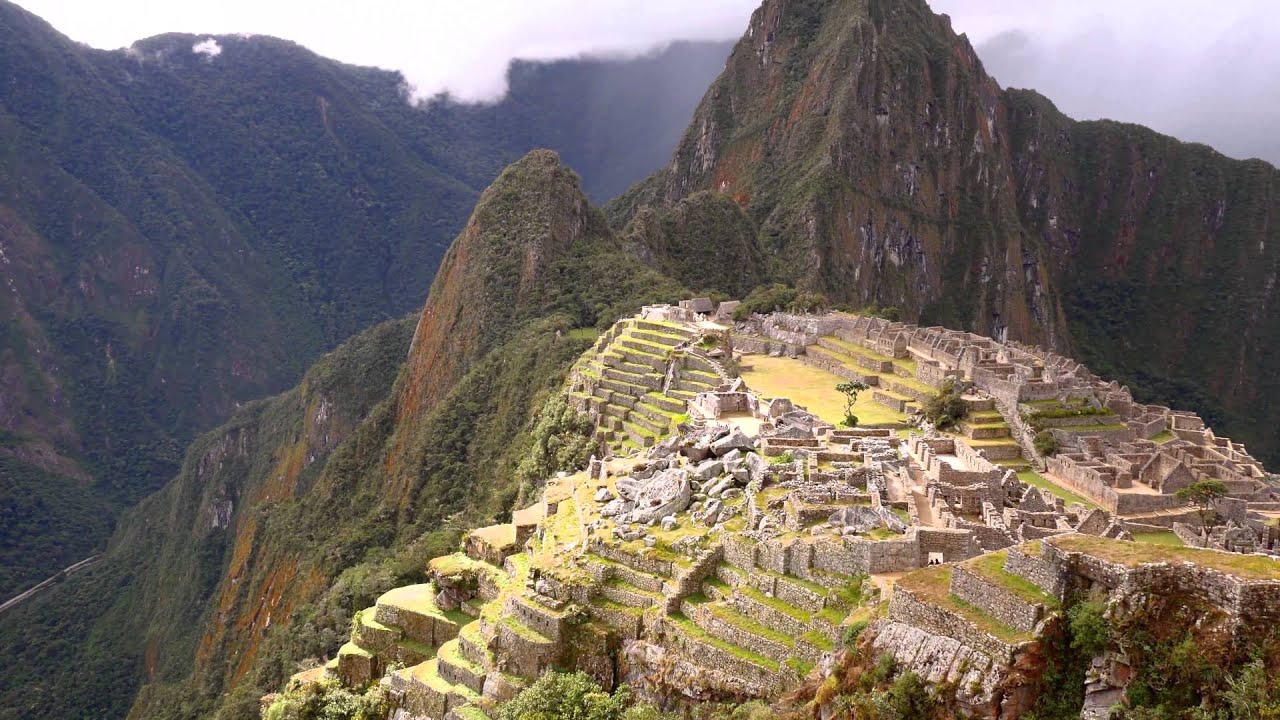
x=1201, y=71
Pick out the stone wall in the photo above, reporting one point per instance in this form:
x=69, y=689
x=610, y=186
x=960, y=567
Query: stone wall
x=954, y=545
x=907, y=608
x=1035, y=570
x=999, y=602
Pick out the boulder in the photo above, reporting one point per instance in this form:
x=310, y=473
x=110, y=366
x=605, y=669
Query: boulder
x=756, y=466
x=666, y=493
x=603, y=495
x=736, y=440
x=669, y=523
x=708, y=470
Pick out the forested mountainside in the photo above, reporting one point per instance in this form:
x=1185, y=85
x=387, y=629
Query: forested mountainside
x=304, y=507
x=880, y=165
x=180, y=234
x=277, y=528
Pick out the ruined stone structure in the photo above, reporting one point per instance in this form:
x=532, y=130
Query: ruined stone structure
x=720, y=539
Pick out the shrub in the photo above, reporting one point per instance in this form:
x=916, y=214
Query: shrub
x=566, y=696
x=773, y=298
x=1046, y=443
x=1090, y=632
x=853, y=631
x=946, y=408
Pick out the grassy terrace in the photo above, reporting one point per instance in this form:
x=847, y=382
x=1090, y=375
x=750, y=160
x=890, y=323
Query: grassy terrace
x=813, y=388
x=1163, y=437
x=1130, y=554
x=1159, y=538
x=991, y=568
x=420, y=599
x=1035, y=479
x=681, y=621
x=854, y=348
x=933, y=584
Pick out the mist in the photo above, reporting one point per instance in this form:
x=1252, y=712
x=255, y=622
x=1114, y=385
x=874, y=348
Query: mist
x=1207, y=73
x=1199, y=72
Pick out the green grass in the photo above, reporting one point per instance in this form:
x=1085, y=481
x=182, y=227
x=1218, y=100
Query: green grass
x=812, y=388
x=991, y=568
x=1163, y=437
x=1133, y=554
x=1035, y=479
x=1166, y=537
x=818, y=640
x=682, y=621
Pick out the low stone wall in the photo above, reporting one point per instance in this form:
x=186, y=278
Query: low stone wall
x=543, y=620
x=626, y=623
x=905, y=607
x=997, y=601
x=639, y=562
x=1035, y=570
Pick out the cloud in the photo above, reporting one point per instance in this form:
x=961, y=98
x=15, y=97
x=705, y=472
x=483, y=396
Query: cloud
x=208, y=47
x=1200, y=75
x=459, y=47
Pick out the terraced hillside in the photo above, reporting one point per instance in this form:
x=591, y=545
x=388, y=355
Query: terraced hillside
x=637, y=380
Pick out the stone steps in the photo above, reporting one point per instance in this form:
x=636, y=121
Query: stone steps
x=894, y=401
x=603, y=568
x=474, y=646
x=838, y=364
x=999, y=449
x=847, y=350
x=716, y=652
x=771, y=612
x=658, y=337
x=652, y=381
x=457, y=669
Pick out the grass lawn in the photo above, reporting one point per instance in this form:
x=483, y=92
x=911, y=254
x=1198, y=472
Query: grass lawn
x=1133, y=554
x=1159, y=538
x=1035, y=479
x=812, y=387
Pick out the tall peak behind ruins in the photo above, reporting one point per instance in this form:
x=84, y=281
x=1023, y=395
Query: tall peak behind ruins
x=881, y=165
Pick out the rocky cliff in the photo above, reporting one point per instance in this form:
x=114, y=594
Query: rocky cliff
x=881, y=165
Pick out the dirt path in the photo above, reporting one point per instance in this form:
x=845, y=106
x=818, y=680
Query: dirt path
x=923, y=510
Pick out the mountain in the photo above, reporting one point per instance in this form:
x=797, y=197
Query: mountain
x=882, y=166
x=181, y=234
x=304, y=507
x=853, y=147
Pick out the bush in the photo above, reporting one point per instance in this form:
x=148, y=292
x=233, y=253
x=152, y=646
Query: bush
x=1090, y=632
x=946, y=408
x=853, y=631
x=1046, y=443
x=566, y=696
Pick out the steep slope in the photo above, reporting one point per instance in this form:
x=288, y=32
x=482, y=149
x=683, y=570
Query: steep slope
x=304, y=490
x=181, y=233
x=883, y=166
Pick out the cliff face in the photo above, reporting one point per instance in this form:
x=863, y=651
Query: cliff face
x=881, y=165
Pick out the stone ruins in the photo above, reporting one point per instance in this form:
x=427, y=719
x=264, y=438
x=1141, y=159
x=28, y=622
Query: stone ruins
x=721, y=538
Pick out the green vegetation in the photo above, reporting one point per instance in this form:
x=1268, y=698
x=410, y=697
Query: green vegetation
x=1159, y=538
x=1045, y=443
x=947, y=407
x=1249, y=567
x=566, y=696
x=850, y=390
x=1204, y=494
x=776, y=297
x=329, y=700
